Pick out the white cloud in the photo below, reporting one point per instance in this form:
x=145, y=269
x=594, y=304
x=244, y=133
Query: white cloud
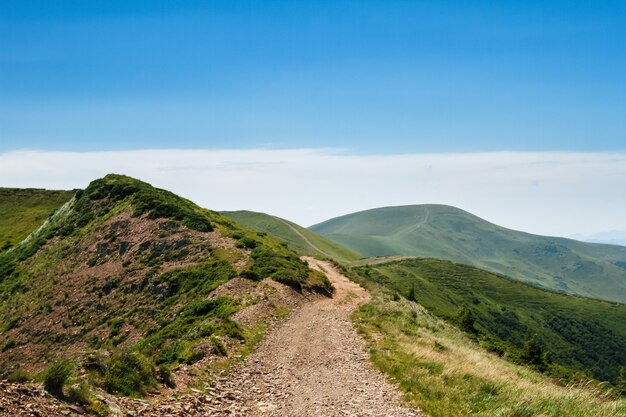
x=556, y=193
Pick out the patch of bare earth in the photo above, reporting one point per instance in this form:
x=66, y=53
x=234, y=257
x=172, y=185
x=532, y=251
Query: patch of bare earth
x=104, y=275
x=32, y=401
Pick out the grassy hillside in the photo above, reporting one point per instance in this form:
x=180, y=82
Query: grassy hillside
x=24, y=210
x=128, y=281
x=297, y=238
x=444, y=232
x=447, y=374
x=583, y=335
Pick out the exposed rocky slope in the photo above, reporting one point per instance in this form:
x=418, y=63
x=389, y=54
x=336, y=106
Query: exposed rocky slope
x=130, y=282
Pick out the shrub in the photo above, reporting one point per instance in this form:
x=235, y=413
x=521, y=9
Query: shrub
x=164, y=375
x=129, y=373
x=466, y=320
x=57, y=375
x=411, y=296
x=218, y=346
x=247, y=243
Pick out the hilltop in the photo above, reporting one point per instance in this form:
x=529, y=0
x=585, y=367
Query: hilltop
x=444, y=232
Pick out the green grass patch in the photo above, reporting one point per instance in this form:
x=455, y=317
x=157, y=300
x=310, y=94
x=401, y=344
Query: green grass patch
x=297, y=238
x=22, y=211
x=462, y=379
x=570, y=335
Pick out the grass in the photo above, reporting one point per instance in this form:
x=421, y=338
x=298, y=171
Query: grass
x=444, y=232
x=129, y=373
x=583, y=335
x=22, y=211
x=446, y=374
x=158, y=317
x=57, y=374
x=297, y=238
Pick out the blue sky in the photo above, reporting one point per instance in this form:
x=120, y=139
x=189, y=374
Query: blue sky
x=366, y=76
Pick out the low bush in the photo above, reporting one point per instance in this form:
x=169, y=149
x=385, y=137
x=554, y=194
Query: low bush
x=218, y=346
x=57, y=374
x=129, y=373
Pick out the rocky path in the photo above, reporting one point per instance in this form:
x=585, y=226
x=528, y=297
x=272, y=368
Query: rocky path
x=315, y=364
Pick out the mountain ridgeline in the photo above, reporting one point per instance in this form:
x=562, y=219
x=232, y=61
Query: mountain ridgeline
x=296, y=237
x=125, y=277
x=443, y=232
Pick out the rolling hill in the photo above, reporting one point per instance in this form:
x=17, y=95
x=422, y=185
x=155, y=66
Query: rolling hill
x=22, y=210
x=128, y=281
x=297, y=238
x=443, y=232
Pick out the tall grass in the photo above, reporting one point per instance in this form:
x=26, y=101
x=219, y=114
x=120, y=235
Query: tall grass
x=447, y=375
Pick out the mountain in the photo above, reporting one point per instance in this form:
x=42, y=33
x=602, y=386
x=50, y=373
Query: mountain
x=297, y=238
x=443, y=232
x=582, y=334
x=128, y=281
x=22, y=210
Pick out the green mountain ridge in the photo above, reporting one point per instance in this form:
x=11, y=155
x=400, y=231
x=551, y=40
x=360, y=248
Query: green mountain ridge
x=297, y=238
x=128, y=269
x=444, y=232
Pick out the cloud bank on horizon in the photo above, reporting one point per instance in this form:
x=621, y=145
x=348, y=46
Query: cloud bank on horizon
x=550, y=193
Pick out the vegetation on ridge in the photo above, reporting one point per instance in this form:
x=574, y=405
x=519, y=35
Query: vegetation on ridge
x=556, y=333
x=445, y=373
x=443, y=232
x=128, y=272
x=297, y=238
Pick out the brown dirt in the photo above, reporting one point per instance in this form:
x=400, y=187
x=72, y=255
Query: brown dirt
x=313, y=364
x=101, y=275
x=32, y=401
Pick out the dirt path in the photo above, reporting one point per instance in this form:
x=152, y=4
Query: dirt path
x=315, y=364
x=303, y=237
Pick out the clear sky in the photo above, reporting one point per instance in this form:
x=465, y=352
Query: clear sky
x=513, y=110
x=365, y=76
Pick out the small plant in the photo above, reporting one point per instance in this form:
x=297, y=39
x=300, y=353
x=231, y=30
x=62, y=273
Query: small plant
x=164, y=375
x=621, y=381
x=57, y=375
x=438, y=347
x=466, y=320
x=218, y=346
x=411, y=296
x=129, y=373
x=247, y=243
